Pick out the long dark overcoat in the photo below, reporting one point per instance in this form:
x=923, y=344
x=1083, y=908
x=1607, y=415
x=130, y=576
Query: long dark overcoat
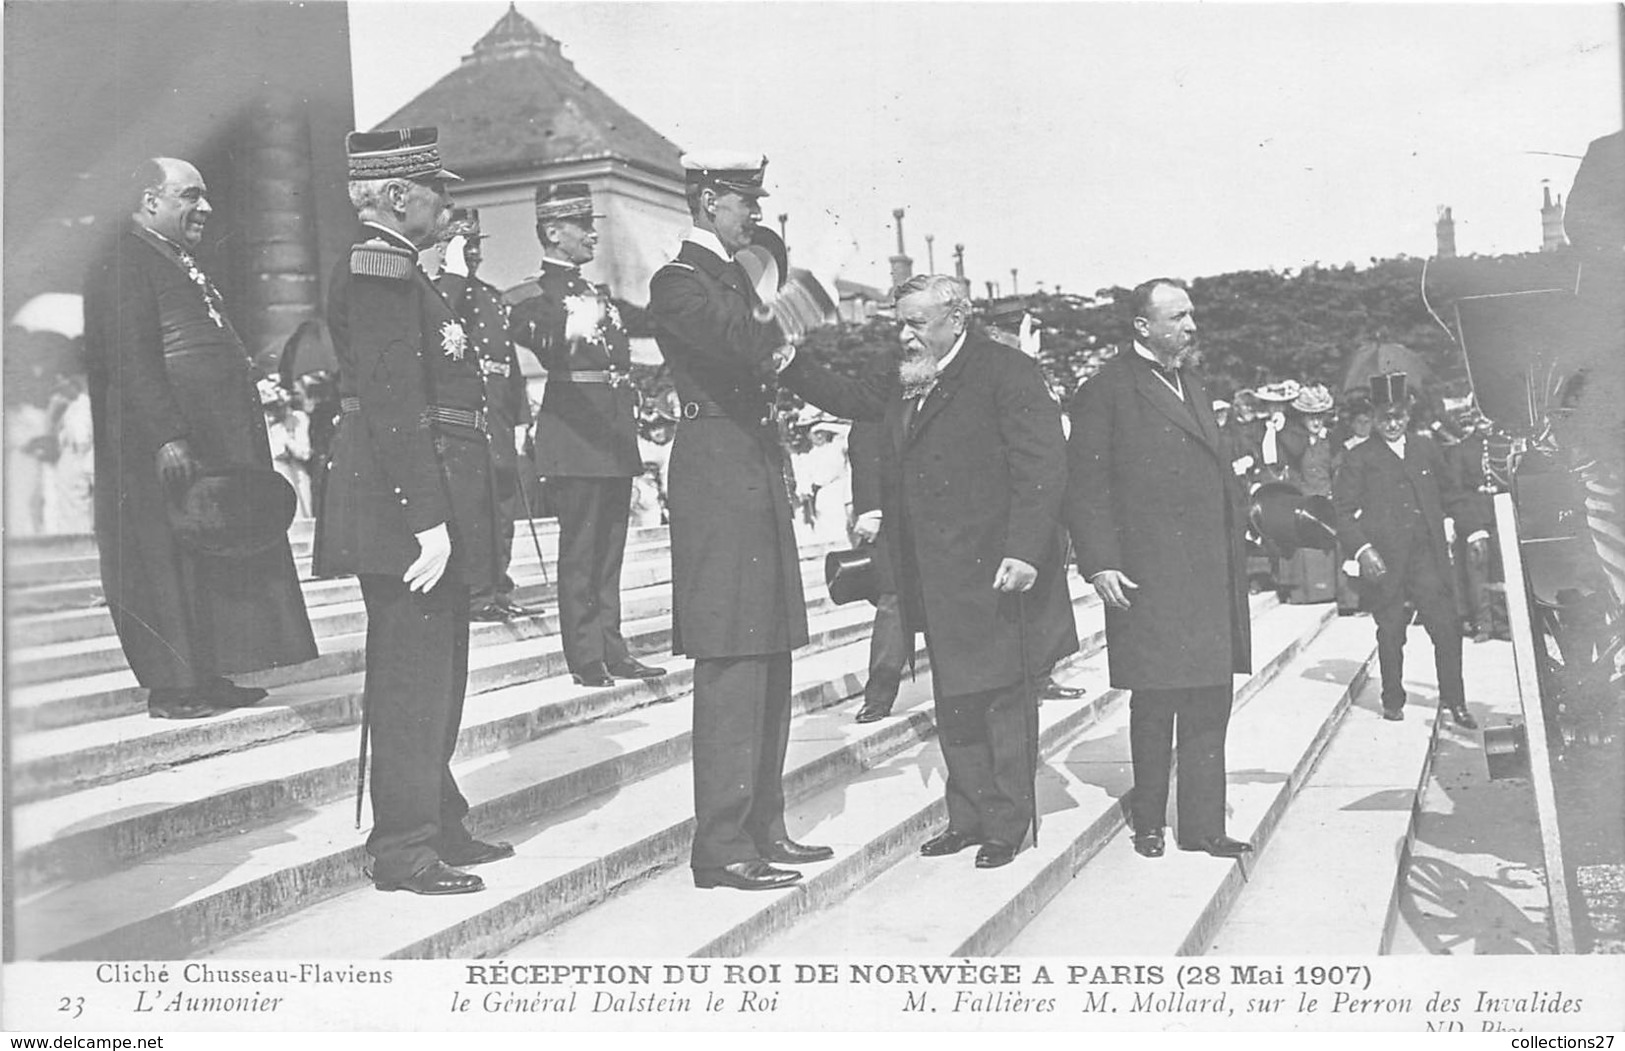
x=977, y=475
x=736, y=578
x=1151, y=494
x=394, y=473
x=161, y=368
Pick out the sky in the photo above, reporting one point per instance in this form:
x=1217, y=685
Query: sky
x=1086, y=144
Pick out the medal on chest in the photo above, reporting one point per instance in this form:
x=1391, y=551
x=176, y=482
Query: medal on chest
x=453, y=340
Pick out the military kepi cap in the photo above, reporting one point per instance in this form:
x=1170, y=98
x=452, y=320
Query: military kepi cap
x=465, y=222
x=1389, y=389
x=565, y=200
x=399, y=153
x=728, y=170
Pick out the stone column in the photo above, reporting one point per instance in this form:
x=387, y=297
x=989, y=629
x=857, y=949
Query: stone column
x=284, y=287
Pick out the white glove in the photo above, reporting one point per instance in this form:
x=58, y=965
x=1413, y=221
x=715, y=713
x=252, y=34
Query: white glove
x=434, y=551
x=867, y=527
x=454, y=262
x=1031, y=337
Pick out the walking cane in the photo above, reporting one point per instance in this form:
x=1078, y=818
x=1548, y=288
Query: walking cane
x=361, y=759
x=1029, y=711
x=530, y=520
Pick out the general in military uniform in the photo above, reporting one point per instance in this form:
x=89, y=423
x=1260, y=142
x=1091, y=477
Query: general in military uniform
x=172, y=397
x=736, y=577
x=484, y=317
x=1391, y=494
x=586, y=432
x=408, y=507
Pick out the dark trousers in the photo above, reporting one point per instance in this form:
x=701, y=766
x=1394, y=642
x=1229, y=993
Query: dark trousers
x=888, y=647
x=741, y=733
x=592, y=544
x=1202, y=716
x=987, y=748
x=417, y=670
x=505, y=504
x=1473, y=603
x=1420, y=579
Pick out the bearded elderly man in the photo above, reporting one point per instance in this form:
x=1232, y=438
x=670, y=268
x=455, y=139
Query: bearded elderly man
x=1156, y=518
x=408, y=507
x=172, y=396
x=974, y=476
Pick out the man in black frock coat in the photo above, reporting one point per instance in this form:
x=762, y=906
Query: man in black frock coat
x=172, y=396
x=408, y=508
x=1156, y=518
x=1391, y=494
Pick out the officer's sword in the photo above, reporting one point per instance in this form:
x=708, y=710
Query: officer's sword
x=530, y=520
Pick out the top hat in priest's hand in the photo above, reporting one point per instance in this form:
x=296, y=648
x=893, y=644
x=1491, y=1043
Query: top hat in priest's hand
x=234, y=512
x=851, y=575
x=1282, y=515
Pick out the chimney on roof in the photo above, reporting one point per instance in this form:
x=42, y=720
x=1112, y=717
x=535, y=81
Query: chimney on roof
x=1551, y=222
x=1444, y=232
x=902, y=267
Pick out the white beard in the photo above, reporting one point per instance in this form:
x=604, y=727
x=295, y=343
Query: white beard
x=918, y=374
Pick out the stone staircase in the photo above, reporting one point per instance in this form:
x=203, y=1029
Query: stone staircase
x=236, y=837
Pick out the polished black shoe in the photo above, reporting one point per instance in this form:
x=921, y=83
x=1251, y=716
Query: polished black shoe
x=879, y=694
x=1050, y=690
x=1394, y=715
x=1219, y=847
x=872, y=713
x=949, y=842
x=789, y=852
x=514, y=609
x=223, y=693
x=594, y=674
x=1463, y=718
x=631, y=668
x=166, y=704
x=437, y=878
x=474, y=852
x=755, y=874
x=1150, y=843
x=488, y=613
x=995, y=855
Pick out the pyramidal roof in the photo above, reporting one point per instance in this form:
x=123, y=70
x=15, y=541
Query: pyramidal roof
x=515, y=102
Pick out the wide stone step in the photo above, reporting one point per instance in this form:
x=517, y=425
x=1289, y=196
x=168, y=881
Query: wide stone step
x=55, y=622
x=878, y=824
x=35, y=587
x=622, y=772
x=309, y=696
x=570, y=859
x=337, y=609
x=1274, y=740
x=56, y=546
x=1347, y=834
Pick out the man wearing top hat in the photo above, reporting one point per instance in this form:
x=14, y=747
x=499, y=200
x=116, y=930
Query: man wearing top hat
x=1391, y=494
x=408, y=507
x=738, y=608
x=484, y=317
x=586, y=432
x=1157, y=520
x=173, y=400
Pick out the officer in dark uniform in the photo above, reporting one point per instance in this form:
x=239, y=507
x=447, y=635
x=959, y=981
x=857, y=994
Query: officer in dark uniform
x=408, y=507
x=738, y=608
x=484, y=317
x=1392, y=493
x=586, y=432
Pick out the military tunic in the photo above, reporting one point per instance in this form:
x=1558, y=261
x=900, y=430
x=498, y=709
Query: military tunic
x=409, y=455
x=586, y=447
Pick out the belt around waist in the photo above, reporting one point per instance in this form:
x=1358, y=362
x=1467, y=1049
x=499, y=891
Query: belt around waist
x=473, y=419
x=614, y=379
x=696, y=410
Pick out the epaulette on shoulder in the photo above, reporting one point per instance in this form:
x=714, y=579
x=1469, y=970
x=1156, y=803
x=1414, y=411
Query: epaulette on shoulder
x=381, y=259
x=678, y=263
